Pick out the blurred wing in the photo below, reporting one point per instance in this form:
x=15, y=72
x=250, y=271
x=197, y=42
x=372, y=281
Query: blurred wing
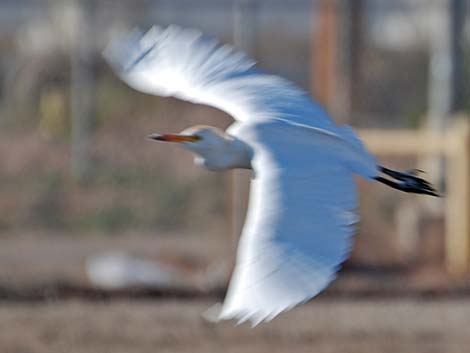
x=299, y=222
x=185, y=64
x=302, y=198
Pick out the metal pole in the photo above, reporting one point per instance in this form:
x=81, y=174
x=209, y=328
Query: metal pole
x=82, y=91
x=440, y=68
x=441, y=86
x=457, y=23
x=245, y=25
x=244, y=37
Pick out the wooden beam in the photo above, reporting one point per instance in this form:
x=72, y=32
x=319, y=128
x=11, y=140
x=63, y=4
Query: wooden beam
x=403, y=142
x=454, y=145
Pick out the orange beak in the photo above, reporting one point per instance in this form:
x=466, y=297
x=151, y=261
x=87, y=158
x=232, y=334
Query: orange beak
x=174, y=137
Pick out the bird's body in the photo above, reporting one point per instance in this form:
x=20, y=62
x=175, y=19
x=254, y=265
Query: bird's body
x=303, y=198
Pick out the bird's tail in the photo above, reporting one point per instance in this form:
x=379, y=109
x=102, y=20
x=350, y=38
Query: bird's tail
x=407, y=181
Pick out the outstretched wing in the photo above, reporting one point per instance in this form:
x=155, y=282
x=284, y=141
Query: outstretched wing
x=185, y=64
x=299, y=222
x=302, y=198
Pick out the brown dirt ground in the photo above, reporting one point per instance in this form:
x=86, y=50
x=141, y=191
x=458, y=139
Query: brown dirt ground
x=322, y=326
x=34, y=262
x=345, y=319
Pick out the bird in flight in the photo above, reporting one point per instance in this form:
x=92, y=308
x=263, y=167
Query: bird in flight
x=302, y=207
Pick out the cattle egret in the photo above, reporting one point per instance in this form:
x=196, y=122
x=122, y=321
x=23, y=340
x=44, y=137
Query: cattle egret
x=302, y=205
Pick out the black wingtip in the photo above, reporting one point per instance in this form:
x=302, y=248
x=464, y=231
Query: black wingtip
x=407, y=182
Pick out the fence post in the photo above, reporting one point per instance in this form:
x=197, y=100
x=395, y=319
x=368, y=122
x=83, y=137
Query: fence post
x=458, y=197
x=454, y=144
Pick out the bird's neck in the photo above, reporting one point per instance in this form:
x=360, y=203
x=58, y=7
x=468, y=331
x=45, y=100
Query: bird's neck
x=232, y=154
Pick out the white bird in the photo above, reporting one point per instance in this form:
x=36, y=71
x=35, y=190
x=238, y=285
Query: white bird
x=302, y=205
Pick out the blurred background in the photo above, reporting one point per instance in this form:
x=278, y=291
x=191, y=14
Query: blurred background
x=109, y=242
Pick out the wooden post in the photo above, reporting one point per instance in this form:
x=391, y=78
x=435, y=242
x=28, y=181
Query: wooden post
x=356, y=46
x=458, y=197
x=324, y=54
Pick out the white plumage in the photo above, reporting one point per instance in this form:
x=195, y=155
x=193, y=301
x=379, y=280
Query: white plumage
x=303, y=199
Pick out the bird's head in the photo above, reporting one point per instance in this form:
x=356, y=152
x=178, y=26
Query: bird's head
x=199, y=139
x=214, y=149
